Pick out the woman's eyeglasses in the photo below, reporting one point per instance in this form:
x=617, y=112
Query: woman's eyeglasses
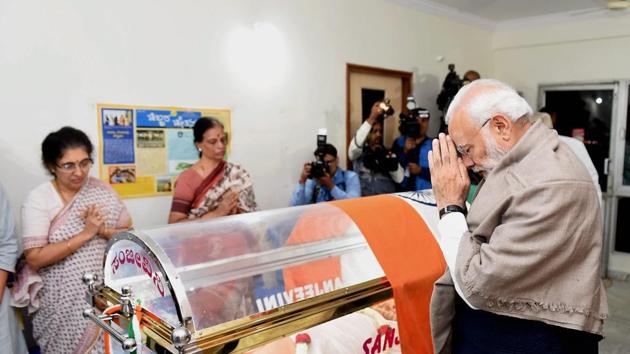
x=84, y=165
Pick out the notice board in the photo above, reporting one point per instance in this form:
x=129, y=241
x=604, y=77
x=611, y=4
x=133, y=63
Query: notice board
x=142, y=149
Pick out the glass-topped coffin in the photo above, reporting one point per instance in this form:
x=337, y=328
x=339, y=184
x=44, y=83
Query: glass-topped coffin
x=203, y=274
x=215, y=272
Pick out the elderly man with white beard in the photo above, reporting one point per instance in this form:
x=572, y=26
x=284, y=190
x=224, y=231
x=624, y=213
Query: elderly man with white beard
x=524, y=261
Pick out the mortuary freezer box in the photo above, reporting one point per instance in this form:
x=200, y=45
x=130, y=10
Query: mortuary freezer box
x=317, y=279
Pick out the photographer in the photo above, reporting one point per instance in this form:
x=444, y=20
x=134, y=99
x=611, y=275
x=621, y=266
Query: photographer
x=323, y=180
x=377, y=167
x=412, y=148
x=470, y=76
x=451, y=85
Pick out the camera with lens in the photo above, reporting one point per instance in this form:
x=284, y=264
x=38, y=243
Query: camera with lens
x=451, y=85
x=387, y=108
x=380, y=160
x=319, y=167
x=409, y=124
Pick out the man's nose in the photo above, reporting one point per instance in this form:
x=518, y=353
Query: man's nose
x=468, y=162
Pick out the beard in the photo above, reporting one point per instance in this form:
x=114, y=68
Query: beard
x=494, y=154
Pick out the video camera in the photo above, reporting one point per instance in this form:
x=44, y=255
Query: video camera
x=408, y=124
x=319, y=167
x=380, y=160
x=451, y=85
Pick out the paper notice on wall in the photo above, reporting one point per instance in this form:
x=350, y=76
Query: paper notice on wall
x=117, y=128
x=152, y=162
x=143, y=149
x=181, y=151
x=151, y=147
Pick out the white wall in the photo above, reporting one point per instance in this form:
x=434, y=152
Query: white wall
x=586, y=50
x=59, y=58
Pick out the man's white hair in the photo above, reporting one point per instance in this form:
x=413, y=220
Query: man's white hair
x=494, y=98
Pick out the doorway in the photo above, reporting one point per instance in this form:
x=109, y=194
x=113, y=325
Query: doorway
x=597, y=114
x=366, y=85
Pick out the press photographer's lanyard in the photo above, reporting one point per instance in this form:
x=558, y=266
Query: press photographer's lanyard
x=316, y=190
x=342, y=185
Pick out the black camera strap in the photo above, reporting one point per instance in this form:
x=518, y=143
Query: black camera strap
x=318, y=189
x=342, y=185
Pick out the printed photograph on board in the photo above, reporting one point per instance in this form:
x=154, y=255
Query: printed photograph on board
x=117, y=117
x=122, y=174
x=164, y=184
x=150, y=138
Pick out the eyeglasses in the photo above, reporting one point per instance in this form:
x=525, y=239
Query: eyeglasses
x=464, y=150
x=68, y=167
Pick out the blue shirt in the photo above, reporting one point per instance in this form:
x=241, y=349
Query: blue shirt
x=346, y=186
x=423, y=180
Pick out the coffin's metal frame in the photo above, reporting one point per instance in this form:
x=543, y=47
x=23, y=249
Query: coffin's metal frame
x=165, y=266
x=248, y=333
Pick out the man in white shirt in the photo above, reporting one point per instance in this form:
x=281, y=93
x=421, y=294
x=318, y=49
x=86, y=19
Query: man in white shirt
x=576, y=146
x=377, y=167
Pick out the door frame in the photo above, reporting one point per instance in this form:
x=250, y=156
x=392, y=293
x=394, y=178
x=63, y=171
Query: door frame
x=405, y=77
x=619, y=261
x=611, y=259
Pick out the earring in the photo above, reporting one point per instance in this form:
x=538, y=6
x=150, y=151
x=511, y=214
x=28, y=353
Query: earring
x=199, y=150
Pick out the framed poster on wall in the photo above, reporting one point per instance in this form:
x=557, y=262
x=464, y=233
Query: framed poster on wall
x=142, y=149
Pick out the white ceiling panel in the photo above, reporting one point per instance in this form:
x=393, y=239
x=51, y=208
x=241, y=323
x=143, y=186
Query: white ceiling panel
x=505, y=10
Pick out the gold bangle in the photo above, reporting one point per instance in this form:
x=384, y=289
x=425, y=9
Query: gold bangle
x=68, y=245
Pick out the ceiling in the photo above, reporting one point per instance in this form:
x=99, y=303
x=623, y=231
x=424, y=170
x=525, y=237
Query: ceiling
x=495, y=14
x=506, y=10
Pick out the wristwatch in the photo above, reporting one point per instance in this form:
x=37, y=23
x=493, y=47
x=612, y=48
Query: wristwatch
x=452, y=209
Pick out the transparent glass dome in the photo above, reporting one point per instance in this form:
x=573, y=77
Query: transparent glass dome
x=217, y=271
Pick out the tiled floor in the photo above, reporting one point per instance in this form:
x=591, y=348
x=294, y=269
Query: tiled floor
x=617, y=327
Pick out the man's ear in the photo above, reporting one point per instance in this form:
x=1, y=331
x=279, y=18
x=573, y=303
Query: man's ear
x=501, y=127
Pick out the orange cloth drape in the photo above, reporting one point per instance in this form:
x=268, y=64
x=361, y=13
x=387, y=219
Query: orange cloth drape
x=410, y=257
x=312, y=226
